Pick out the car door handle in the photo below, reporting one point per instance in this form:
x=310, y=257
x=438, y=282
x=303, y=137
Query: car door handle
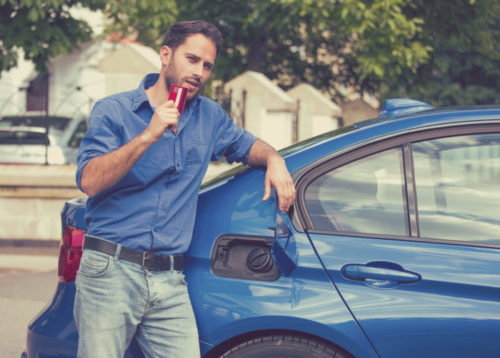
x=379, y=271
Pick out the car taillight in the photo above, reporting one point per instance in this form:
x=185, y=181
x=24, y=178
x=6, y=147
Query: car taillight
x=70, y=253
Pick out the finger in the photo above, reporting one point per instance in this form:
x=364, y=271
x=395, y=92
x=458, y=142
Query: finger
x=281, y=198
x=267, y=190
x=287, y=198
x=173, y=127
x=284, y=203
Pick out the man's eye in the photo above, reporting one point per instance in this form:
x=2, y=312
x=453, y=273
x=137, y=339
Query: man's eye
x=208, y=67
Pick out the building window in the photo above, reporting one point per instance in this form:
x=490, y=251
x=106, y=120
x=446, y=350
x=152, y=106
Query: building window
x=37, y=93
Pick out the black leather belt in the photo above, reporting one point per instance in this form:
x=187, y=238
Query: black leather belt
x=147, y=259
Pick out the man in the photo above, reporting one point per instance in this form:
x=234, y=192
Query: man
x=141, y=165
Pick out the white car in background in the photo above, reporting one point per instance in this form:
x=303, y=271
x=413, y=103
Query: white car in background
x=29, y=145
x=23, y=136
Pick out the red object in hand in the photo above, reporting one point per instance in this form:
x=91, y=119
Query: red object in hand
x=178, y=94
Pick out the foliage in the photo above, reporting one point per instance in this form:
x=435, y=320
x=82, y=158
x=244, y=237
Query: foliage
x=330, y=44
x=443, y=52
x=464, y=66
x=145, y=20
x=43, y=29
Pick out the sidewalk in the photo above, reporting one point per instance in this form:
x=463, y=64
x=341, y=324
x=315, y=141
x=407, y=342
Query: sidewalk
x=28, y=259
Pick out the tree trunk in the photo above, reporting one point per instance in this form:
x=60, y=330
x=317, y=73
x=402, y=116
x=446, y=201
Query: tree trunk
x=258, y=49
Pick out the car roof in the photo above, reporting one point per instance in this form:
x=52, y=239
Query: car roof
x=389, y=125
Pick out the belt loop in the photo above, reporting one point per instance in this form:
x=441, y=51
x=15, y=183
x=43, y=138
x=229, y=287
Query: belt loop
x=172, y=263
x=117, y=252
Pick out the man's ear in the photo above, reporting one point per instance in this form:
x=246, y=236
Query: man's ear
x=165, y=54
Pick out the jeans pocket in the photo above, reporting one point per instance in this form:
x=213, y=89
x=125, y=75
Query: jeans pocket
x=95, y=264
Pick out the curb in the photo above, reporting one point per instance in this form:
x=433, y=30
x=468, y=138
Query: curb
x=15, y=243
x=10, y=263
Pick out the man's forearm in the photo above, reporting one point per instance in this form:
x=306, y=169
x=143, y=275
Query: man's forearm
x=104, y=171
x=262, y=153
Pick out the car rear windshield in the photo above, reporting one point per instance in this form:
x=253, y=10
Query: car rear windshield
x=23, y=138
x=54, y=122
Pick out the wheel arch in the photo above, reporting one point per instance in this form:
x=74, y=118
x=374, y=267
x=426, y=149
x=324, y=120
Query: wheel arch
x=345, y=337
x=232, y=342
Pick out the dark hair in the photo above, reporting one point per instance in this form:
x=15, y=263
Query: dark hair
x=181, y=30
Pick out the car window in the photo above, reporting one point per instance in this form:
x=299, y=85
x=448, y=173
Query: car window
x=365, y=196
x=55, y=122
x=23, y=138
x=458, y=187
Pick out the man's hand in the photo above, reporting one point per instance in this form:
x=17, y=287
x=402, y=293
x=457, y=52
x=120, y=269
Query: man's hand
x=277, y=175
x=165, y=117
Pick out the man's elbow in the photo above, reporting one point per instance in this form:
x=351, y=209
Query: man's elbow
x=87, y=187
x=89, y=184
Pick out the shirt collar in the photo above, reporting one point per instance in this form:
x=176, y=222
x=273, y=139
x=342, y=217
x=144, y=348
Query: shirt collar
x=140, y=95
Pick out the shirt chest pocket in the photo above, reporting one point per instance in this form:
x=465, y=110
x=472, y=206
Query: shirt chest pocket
x=195, y=155
x=195, y=147
x=159, y=159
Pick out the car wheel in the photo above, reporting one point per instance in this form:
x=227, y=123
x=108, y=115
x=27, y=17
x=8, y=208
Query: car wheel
x=285, y=346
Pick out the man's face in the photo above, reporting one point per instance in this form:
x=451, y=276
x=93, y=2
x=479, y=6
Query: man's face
x=191, y=64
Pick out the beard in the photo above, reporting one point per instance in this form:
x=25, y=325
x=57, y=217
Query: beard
x=172, y=77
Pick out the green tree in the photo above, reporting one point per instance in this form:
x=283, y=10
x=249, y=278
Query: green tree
x=330, y=44
x=464, y=66
x=441, y=52
x=145, y=20
x=43, y=29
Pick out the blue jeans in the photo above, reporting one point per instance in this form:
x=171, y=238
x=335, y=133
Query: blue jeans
x=117, y=301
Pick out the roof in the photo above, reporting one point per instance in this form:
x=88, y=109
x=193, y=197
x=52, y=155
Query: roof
x=320, y=103
x=255, y=82
x=139, y=59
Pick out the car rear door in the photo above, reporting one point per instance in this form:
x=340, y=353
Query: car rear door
x=409, y=231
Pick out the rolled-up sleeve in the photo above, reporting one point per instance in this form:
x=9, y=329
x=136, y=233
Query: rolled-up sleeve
x=101, y=137
x=231, y=141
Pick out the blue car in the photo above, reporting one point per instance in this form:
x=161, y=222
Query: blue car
x=391, y=249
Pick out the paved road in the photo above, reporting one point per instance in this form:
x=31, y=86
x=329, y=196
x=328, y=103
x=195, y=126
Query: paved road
x=28, y=278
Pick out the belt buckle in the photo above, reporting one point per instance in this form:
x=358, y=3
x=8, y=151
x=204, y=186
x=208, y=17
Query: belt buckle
x=147, y=255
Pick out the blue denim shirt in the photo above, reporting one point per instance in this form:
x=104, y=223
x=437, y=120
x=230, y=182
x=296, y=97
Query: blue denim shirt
x=153, y=207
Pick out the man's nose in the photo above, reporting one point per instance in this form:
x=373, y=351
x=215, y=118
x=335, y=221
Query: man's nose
x=198, y=69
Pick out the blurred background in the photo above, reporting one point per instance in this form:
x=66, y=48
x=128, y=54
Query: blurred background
x=289, y=70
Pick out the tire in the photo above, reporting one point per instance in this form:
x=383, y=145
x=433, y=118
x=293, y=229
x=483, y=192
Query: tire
x=285, y=346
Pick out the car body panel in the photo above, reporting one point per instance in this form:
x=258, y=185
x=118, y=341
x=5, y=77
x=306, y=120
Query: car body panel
x=290, y=303
x=449, y=310
x=52, y=333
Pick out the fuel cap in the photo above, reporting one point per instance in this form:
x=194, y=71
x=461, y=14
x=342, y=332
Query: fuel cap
x=259, y=260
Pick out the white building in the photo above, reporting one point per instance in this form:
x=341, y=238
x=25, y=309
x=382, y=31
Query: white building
x=263, y=108
x=278, y=117
x=77, y=80
x=317, y=113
